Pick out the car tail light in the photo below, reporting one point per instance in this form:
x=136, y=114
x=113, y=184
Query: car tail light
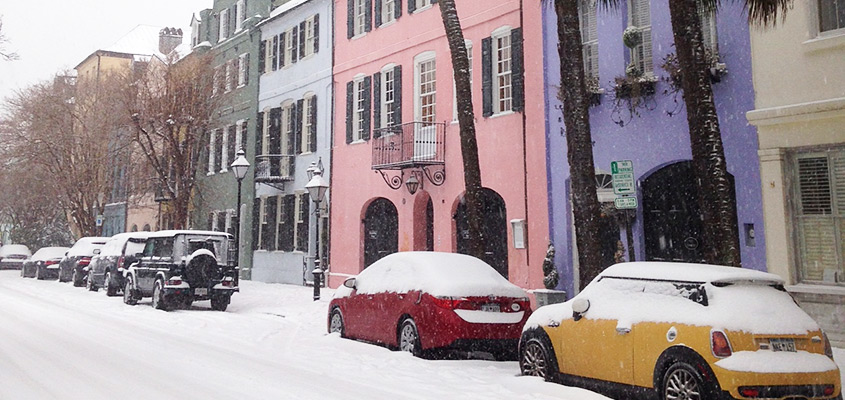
x=174, y=281
x=228, y=282
x=450, y=303
x=83, y=261
x=50, y=262
x=720, y=345
x=520, y=304
x=828, y=390
x=749, y=391
x=120, y=262
x=828, y=350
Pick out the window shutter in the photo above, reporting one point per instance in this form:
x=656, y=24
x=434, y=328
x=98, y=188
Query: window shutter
x=814, y=185
x=368, y=15
x=313, y=118
x=397, y=8
x=211, y=221
x=397, y=95
x=367, y=107
x=218, y=150
x=305, y=212
x=295, y=36
x=256, y=222
x=233, y=16
x=350, y=87
x=221, y=221
x=297, y=127
x=378, y=8
x=246, y=68
x=261, y=50
x=518, y=70
x=412, y=6
x=316, y=33
x=244, y=125
x=302, y=35
x=286, y=222
x=275, y=53
x=230, y=144
x=487, y=76
x=376, y=104
x=268, y=236
x=259, y=134
x=350, y=19
x=275, y=147
x=282, y=49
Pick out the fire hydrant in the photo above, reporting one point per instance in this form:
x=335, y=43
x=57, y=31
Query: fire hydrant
x=318, y=273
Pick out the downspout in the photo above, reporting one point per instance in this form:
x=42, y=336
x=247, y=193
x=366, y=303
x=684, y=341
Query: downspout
x=327, y=267
x=524, y=145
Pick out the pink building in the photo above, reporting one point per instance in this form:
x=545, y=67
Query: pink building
x=395, y=125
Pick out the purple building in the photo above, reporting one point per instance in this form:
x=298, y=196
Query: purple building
x=638, y=116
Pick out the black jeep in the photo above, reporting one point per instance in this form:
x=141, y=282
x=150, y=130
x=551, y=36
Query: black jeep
x=179, y=267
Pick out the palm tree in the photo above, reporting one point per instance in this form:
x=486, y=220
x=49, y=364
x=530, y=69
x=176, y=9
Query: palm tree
x=718, y=206
x=466, y=118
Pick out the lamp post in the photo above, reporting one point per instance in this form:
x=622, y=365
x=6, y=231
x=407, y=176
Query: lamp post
x=239, y=168
x=317, y=188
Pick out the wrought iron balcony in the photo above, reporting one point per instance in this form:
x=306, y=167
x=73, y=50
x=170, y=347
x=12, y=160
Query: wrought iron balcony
x=274, y=168
x=415, y=146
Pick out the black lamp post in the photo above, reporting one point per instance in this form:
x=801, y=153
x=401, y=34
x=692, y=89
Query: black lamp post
x=317, y=188
x=239, y=168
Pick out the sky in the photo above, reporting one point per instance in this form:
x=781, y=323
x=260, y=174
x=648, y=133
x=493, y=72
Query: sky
x=51, y=36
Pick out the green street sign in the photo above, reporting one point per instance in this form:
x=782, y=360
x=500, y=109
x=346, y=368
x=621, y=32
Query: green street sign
x=622, y=203
x=623, y=177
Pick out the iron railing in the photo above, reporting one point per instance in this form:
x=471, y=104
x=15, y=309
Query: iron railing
x=409, y=145
x=274, y=168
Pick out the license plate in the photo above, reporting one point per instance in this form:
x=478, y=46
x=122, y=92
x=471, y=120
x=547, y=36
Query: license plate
x=201, y=291
x=491, y=307
x=782, y=344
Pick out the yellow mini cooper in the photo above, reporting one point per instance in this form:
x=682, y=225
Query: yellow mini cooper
x=682, y=331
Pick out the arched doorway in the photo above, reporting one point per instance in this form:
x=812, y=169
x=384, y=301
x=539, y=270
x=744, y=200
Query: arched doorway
x=672, y=223
x=494, y=227
x=381, y=231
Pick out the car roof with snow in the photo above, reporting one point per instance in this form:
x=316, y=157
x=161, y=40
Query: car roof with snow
x=14, y=249
x=175, y=232
x=46, y=253
x=114, y=246
x=85, y=246
x=687, y=272
x=435, y=273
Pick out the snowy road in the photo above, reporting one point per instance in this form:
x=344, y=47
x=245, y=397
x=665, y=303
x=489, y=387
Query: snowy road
x=62, y=342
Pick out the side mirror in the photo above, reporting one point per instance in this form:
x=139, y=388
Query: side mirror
x=579, y=307
x=350, y=283
x=96, y=251
x=138, y=255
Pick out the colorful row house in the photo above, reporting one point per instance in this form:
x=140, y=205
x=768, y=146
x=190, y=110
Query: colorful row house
x=397, y=170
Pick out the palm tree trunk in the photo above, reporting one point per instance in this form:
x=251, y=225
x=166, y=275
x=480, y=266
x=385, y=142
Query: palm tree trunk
x=579, y=143
x=466, y=121
x=718, y=205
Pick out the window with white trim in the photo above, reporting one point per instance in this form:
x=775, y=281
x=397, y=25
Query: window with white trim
x=241, y=140
x=309, y=36
x=224, y=25
x=454, y=89
x=240, y=14
x=388, y=11
x=359, y=108
x=224, y=153
x=300, y=231
x=425, y=85
x=211, y=151
x=420, y=4
x=265, y=133
x=215, y=81
x=287, y=129
x=502, y=67
x=243, y=69
x=820, y=214
x=289, y=46
x=268, y=54
x=831, y=15
x=639, y=16
x=228, y=76
x=360, y=15
x=307, y=122
x=589, y=39
x=388, y=98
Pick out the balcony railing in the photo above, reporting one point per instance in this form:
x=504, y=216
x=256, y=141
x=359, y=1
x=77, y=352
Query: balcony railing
x=413, y=144
x=274, y=168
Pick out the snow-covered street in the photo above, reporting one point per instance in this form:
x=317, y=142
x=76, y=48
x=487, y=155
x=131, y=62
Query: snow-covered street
x=62, y=342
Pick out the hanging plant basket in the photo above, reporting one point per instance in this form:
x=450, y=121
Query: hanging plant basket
x=627, y=87
x=632, y=37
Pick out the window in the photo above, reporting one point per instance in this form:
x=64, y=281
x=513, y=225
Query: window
x=589, y=40
x=426, y=88
x=418, y=5
x=240, y=14
x=230, y=146
x=301, y=214
x=454, y=89
x=241, y=141
x=821, y=214
x=388, y=99
x=309, y=124
x=388, y=11
x=502, y=73
x=287, y=128
x=215, y=83
x=639, y=16
x=243, y=69
x=309, y=34
x=224, y=25
x=229, y=73
x=361, y=110
x=831, y=15
x=265, y=132
x=360, y=14
x=211, y=151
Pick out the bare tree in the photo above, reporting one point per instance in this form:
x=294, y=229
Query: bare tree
x=171, y=107
x=5, y=54
x=30, y=204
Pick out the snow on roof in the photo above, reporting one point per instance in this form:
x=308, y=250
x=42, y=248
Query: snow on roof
x=686, y=272
x=436, y=273
x=284, y=8
x=46, y=253
x=143, y=39
x=85, y=246
x=14, y=249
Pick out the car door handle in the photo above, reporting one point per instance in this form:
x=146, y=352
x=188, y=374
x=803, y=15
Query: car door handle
x=622, y=330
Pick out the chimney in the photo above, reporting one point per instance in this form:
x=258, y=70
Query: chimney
x=169, y=39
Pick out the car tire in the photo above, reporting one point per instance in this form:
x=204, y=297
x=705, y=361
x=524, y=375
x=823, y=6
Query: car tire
x=220, y=302
x=536, y=355
x=336, y=322
x=89, y=282
x=185, y=302
x=38, y=274
x=109, y=285
x=683, y=381
x=409, y=338
x=159, y=301
x=77, y=278
x=128, y=297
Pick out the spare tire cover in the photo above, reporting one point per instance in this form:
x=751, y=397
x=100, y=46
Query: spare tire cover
x=201, y=267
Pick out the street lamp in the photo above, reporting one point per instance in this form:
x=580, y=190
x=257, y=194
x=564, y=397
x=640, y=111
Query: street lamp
x=239, y=168
x=317, y=188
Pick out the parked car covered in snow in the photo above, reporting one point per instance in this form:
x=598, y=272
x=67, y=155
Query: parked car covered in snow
x=682, y=331
x=44, y=264
x=74, y=266
x=418, y=301
x=179, y=267
x=106, y=269
x=13, y=255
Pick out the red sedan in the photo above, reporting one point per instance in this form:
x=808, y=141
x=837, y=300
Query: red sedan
x=418, y=301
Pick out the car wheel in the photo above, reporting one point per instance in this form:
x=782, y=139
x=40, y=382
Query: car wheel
x=220, y=302
x=111, y=287
x=534, y=359
x=409, y=338
x=89, y=282
x=682, y=381
x=76, y=277
x=38, y=274
x=336, y=322
x=128, y=298
x=159, y=302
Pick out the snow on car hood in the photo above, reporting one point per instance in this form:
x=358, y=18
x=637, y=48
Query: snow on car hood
x=436, y=273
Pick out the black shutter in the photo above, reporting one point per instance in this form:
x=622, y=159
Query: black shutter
x=378, y=13
x=268, y=236
x=294, y=40
x=211, y=221
x=221, y=221
x=275, y=145
x=302, y=35
x=350, y=100
x=397, y=8
x=276, y=53
x=218, y=150
x=368, y=15
x=350, y=19
x=243, y=135
x=256, y=222
x=412, y=6
x=302, y=231
x=297, y=127
x=286, y=221
x=518, y=70
x=259, y=134
x=282, y=50
x=316, y=33
x=262, y=49
x=246, y=68
x=367, y=107
x=487, y=76
x=313, y=118
x=397, y=95
x=231, y=136
x=376, y=104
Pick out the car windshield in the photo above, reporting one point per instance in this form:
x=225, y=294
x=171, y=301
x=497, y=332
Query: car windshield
x=693, y=291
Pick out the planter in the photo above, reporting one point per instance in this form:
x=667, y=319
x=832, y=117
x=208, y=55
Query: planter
x=549, y=296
